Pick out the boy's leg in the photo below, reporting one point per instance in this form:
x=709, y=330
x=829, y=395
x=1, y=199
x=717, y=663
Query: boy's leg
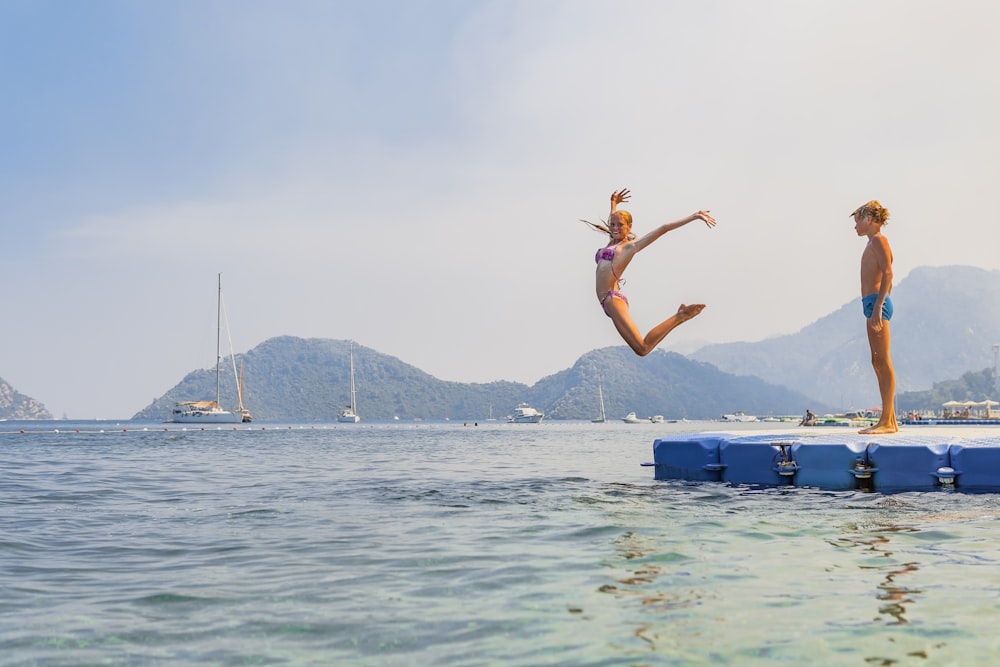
x=878, y=341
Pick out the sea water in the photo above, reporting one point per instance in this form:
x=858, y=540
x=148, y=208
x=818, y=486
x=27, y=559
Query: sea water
x=127, y=543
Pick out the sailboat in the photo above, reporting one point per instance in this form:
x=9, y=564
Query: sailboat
x=601, y=418
x=209, y=412
x=350, y=413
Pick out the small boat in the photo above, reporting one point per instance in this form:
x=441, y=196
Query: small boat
x=656, y=419
x=209, y=412
x=739, y=417
x=601, y=417
x=349, y=415
x=525, y=414
x=630, y=418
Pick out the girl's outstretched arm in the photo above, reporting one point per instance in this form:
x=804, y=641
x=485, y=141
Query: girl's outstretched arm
x=670, y=226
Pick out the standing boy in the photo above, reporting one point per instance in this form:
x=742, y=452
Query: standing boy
x=876, y=284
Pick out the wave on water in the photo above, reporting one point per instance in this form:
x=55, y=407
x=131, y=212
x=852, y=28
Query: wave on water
x=451, y=545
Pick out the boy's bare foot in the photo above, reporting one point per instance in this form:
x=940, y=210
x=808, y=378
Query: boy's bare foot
x=880, y=428
x=685, y=313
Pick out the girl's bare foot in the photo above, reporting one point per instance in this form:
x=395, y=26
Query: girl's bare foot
x=685, y=313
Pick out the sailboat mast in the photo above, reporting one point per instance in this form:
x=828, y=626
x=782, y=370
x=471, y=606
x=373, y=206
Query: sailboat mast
x=354, y=408
x=239, y=388
x=218, y=346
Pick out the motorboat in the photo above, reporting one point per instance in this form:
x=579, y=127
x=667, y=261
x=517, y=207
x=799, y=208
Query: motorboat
x=525, y=414
x=630, y=418
x=739, y=417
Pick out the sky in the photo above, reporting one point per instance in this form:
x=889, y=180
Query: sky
x=411, y=175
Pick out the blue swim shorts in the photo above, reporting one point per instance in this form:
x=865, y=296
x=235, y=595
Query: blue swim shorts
x=868, y=306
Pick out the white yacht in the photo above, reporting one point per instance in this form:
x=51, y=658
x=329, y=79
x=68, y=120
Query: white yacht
x=739, y=417
x=525, y=414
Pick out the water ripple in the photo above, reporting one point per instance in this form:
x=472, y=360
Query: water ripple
x=451, y=545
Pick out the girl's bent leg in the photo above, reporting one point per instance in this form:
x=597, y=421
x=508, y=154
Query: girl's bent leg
x=660, y=331
x=643, y=345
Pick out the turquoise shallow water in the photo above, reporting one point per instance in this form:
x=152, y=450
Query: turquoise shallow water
x=444, y=544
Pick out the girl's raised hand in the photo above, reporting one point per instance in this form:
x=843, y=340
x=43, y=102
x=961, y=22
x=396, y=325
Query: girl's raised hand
x=620, y=196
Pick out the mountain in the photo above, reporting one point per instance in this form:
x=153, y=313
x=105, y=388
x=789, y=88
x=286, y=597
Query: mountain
x=296, y=379
x=662, y=383
x=14, y=405
x=946, y=321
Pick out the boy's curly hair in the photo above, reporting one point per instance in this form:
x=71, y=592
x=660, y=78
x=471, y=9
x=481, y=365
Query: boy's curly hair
x=877, y=211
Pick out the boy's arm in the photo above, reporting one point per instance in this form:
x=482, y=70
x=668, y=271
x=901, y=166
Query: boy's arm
x=883, y=258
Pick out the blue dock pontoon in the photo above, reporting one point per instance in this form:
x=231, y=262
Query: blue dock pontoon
x=914, y=459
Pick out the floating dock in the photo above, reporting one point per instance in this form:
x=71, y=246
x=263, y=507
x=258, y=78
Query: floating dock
x=917, y=458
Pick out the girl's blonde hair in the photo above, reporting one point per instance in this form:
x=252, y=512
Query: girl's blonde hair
x=624, y=216
x=876, y=210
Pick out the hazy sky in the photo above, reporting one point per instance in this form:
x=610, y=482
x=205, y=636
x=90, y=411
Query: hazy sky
x=409, y=174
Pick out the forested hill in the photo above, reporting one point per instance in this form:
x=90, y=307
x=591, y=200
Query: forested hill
x=14, y=405
x=289, y=378
x=972, y=386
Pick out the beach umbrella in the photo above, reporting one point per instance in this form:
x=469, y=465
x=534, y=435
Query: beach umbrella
x=952, y=404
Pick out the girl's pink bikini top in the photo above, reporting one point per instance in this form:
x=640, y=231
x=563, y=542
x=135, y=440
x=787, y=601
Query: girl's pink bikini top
x=604, y=253
x=608, y=254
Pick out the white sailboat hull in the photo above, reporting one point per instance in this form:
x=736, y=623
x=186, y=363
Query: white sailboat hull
x=348, y=417
x=202, y=416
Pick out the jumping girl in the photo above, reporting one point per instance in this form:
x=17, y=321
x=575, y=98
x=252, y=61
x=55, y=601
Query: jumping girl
x=611, y=262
